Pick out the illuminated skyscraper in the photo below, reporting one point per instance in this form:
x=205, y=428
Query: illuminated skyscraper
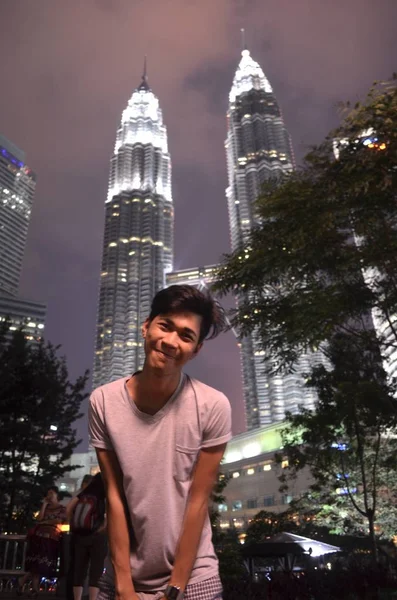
x=17, y=188
x=138, y=239
x=258, y=148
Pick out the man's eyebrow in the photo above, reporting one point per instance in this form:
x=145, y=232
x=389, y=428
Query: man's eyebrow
x=185, y=329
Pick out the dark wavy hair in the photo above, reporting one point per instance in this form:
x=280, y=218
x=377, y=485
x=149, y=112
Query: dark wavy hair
x=178, y=298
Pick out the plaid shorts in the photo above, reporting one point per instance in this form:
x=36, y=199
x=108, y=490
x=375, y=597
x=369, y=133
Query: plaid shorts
x=209, y=589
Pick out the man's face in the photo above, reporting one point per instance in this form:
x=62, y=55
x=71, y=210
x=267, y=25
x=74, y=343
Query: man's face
x=171, y=340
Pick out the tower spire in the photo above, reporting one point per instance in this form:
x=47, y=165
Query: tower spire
x=144, y=83
x=144, y=76
x=243, y=41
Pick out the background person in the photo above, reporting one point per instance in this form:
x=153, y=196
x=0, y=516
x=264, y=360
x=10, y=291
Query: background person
x=44, y=542
x=86, y=514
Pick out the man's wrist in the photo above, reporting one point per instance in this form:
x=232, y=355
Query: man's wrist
x=174, y=592
x=123, y=583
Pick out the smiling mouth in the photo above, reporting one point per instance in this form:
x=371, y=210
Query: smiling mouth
x=165, y=354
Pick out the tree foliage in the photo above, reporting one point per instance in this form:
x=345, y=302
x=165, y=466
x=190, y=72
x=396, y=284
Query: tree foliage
x=300, y=518
x=349, y=443
x=217, y=498
x=265, y=524
x=36, y=397
x=324, y=253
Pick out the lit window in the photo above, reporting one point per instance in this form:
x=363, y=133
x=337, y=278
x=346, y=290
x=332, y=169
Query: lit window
x=286, y=498
x=237, y=505
x=236, y=474
x=250, y=471
x=284, y=464
x=267, y=467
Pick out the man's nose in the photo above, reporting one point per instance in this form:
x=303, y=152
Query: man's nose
x=171, y=339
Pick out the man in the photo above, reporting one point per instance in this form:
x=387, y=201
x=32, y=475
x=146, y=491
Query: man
x=86, y=514
x=160, y=437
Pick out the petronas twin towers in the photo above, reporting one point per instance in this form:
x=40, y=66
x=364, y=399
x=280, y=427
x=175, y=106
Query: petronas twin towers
x=138, y=240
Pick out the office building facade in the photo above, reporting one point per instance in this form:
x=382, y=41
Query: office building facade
x=138, y=238
x=17, y=188
x=253, y=473
x=200, y=277
x=23, y=314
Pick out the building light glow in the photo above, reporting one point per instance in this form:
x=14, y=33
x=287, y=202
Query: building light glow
x=251, y=450
x=249, y=75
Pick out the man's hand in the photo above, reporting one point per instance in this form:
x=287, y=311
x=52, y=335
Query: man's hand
x=127, y=596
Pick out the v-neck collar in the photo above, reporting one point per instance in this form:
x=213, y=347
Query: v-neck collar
x=160, y=413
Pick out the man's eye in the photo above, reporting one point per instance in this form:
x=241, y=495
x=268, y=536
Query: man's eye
x=187, y=338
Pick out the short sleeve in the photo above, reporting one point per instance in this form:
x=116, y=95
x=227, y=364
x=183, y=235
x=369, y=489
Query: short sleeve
x=98, y=435
x=218, y=429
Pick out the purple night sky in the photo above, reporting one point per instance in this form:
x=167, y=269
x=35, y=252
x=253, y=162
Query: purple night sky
x=67, y=70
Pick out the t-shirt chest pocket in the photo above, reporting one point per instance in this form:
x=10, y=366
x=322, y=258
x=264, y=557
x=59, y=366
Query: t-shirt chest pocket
x=185, y=458
x=187, y=439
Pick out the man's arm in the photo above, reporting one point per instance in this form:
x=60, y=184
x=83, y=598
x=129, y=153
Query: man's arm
x=119, y=540
x=196, y=511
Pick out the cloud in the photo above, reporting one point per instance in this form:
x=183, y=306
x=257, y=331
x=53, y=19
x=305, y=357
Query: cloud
x=67, y=71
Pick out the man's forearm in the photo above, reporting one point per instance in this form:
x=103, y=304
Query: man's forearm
x=119, y=543
x=196, y=513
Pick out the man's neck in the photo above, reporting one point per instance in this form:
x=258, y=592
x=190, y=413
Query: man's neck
x=150, y=392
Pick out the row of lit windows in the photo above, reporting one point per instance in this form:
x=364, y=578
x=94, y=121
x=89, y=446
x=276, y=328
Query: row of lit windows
x=265, y=501
x=257, y=469
x=118, y=345
x=143, y=240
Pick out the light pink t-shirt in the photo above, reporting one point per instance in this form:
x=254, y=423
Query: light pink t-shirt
x=157, y=454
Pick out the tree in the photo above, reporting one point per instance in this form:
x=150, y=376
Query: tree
x=227, y=545
x=38, y=409
x=323, y=256
x=217, y=498
x=349, y=443
x=266, y=524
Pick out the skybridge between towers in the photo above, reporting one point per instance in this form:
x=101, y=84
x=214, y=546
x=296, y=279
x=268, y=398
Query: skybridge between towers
x=200, y=277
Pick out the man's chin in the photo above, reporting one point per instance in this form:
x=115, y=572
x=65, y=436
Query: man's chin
x=164, y=365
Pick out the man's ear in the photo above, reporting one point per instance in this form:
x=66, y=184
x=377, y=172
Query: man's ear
x=145, y=327
x=197, y=350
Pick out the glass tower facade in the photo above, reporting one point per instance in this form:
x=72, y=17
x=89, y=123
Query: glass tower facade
x=17, y=187
x=138, y=238
x=258, y=148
